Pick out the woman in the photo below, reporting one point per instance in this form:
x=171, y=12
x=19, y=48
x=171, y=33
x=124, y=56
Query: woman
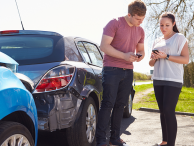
x=168, y=74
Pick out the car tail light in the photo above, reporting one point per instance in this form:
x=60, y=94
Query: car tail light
x=9, y=31
x=56, y=78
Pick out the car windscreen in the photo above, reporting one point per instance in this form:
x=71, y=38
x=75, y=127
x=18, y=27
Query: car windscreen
x=33, y=49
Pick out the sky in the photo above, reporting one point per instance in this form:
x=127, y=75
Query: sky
x=81, y=18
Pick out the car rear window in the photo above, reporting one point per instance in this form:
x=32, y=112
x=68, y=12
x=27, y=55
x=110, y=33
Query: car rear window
x=33, y=49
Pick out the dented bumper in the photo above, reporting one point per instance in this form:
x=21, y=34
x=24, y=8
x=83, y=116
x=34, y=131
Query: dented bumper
x=57, y=110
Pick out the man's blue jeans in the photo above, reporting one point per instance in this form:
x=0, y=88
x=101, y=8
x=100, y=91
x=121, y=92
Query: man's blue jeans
x=117, y=84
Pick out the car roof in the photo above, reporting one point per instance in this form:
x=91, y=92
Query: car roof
x=86, y=40
x=22, y=32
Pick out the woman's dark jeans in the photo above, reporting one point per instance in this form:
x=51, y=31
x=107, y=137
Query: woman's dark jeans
x=167, y=98
x=117, y=84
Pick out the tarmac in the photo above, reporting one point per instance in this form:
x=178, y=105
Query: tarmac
x=143, y=129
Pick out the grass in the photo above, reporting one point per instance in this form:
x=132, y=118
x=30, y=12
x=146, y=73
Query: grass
x=143, y=80
x=141, y=88
x=185, y=102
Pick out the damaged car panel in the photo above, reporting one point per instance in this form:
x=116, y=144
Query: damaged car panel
x=59, y=108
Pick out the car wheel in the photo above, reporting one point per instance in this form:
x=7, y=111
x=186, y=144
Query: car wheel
x=14, y=134
x=83, y=131
x=128, y=108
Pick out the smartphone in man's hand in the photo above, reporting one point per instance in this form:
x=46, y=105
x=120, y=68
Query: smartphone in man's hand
x=154, y=51
x=138, y=55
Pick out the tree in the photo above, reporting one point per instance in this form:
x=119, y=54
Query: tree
x=189, y=75
x=184, y=12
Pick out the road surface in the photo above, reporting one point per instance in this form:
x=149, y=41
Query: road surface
x=141, y=129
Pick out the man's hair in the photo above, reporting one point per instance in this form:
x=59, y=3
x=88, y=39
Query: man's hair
x=137, y=7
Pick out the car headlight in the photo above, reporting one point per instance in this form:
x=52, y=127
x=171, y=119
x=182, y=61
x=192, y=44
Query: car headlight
x=12, y=67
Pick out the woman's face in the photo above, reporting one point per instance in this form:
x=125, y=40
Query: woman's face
x=166, y=26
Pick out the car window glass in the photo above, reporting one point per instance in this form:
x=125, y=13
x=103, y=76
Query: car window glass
x=94, y=54
x=83, y=51
x=33, y=49
x=71, y=52
x=101, y=52
x=27, y=46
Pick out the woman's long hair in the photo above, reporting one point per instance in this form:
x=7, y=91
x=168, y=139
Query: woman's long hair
x=172, y=17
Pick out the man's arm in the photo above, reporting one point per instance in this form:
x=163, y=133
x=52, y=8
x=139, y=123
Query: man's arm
x=140, y=50
x=111, y=51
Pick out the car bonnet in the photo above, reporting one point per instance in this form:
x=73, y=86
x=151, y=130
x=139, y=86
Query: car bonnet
x=6, y=59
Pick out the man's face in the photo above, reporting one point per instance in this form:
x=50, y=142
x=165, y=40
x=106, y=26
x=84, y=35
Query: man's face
x=136, y=20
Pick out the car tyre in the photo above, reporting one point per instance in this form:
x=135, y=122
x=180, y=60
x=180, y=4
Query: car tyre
x=14, y=134
x=128, y=108
x=76, y=135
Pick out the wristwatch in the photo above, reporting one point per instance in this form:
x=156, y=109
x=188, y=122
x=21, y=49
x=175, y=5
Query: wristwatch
x=167, y=57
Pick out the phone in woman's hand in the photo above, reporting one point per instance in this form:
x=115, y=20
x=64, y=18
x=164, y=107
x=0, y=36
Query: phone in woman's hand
x=154, y=51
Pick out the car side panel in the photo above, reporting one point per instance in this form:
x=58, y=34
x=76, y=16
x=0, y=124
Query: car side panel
x=59, y=109
x=14, y=97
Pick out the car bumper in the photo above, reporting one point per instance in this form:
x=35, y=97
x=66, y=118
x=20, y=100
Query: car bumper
x=57, y=110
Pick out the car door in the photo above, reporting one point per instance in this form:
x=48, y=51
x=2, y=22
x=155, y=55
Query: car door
x=93, y=58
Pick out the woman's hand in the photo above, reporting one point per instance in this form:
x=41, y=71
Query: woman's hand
x=161, y=54
x=154, y=56
x=153, y=59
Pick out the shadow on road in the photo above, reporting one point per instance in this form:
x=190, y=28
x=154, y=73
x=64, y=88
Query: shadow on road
x=57, y=138
x=126, y=122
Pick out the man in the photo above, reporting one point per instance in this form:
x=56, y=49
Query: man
x=121, y=38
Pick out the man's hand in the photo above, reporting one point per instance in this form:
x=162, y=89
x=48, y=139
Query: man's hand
x=140, y=50
x=140, y=58
x=130, y=57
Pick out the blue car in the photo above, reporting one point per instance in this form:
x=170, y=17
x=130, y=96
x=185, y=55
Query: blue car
x=18, y=114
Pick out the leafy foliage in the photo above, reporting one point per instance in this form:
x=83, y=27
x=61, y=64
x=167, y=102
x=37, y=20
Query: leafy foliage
x=140, y=76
